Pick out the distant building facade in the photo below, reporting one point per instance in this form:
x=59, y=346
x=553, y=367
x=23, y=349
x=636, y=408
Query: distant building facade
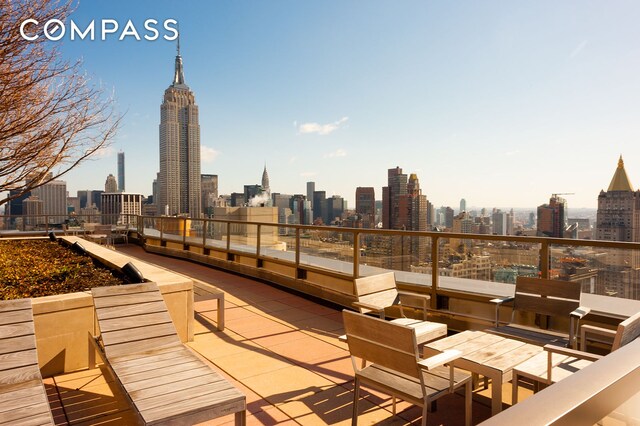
x=618, y=219
x=111, y=184
x=117, y=205
x=366, y=206
x=552, y=218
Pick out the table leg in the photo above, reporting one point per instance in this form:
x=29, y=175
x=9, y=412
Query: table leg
x=496, y=394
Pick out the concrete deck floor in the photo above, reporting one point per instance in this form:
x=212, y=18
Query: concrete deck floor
x=280, y=349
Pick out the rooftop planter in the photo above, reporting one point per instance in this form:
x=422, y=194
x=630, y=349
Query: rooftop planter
x=64, y=321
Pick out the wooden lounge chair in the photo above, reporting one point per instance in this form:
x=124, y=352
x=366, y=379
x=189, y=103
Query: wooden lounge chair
x=556, y=299
x=165, y=381
x=23, y=398
x=392, y=364
x=377, y=292
x=557, y=363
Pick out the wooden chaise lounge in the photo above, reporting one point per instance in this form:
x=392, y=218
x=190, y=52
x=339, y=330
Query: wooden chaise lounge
x=166, y=382
x=23, y=398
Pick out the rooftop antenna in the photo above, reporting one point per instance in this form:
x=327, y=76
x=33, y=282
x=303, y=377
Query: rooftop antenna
x=178, y=26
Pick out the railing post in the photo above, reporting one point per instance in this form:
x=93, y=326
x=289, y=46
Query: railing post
x=544, y=259
x=258, y=242
x=184, y=231
x=161, y=228
x=356, y=254
x=228, y=237
x=434, y=272
x=297, y=250
x=205, y=226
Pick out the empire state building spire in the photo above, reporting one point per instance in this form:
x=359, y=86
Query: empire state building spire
x=178, y=76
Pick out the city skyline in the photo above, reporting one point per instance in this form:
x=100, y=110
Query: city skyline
x=500, y=104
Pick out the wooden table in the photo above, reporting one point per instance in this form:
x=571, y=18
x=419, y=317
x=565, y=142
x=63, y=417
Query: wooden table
x=489, y=355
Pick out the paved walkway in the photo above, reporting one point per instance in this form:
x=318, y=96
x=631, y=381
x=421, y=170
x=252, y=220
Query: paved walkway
x=280, y=349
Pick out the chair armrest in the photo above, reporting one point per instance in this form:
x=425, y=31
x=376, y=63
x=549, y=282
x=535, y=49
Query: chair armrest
x=580, y=312
x=572, y=353
x=440, y=359
x=587, y=329
x=412, y=294
x=502, y=300
x=499, y=302
x=363, y=305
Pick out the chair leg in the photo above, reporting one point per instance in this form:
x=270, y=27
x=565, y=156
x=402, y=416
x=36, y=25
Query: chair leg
x=356, y=396
x=424, y=413
x=393, y=405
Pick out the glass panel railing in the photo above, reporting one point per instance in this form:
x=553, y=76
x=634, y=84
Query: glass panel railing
x=243, y=237
x=330, y=248
x=216, y=235
x=195, y=232
x=175, y=229
x=274, y=242
x=604, y=271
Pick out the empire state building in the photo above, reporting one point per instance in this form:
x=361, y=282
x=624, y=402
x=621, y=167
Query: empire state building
x=179, y=177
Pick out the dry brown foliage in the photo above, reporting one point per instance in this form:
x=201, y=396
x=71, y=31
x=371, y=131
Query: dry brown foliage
x=51, y=117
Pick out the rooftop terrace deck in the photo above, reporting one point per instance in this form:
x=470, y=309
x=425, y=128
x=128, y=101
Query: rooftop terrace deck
x=280, y=349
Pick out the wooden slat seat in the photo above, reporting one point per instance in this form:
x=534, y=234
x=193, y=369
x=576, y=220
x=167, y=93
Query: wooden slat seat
x=166, y=382
x=23, y=398
x=391, y=364
x=551, y=298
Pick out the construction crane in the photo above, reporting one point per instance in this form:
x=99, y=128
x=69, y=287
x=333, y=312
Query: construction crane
x=562, y=193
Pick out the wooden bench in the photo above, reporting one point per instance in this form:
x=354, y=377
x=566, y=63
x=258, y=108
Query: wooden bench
x=23, y=398
x=166, y=382
x=392, y=365
x=377, y=292
x=556, y=299
x=558, y=363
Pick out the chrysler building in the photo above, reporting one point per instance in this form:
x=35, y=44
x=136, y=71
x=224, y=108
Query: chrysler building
x=179, y=177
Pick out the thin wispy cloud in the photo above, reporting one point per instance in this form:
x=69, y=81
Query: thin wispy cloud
x=578, y=49
x=337, y=153
x=208, y=155
x=105, y=151
x=293, y=160
x=321, y=129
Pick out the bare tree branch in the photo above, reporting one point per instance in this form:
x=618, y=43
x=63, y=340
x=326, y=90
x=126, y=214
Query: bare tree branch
x=51, y=118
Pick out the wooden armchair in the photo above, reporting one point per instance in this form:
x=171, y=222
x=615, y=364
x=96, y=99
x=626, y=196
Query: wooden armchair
x=377, y=292
x=391, y=364
x=556, y=299
x=557, y=363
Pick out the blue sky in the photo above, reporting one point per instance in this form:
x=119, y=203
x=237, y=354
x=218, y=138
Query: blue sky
x=500, y=103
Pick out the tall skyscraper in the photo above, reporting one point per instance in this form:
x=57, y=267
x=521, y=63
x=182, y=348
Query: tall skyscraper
x=618, y=219
x=463, y=205
x=121, y=171
x=179, y=179
x=311, y=188
x=404, y=207
x=265, y=182
x=552, y=217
